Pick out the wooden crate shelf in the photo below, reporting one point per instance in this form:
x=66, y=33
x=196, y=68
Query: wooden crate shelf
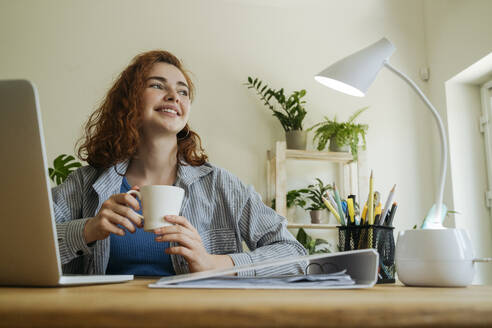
x=352, y=173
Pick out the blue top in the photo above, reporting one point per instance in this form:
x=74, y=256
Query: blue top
x=138, y=253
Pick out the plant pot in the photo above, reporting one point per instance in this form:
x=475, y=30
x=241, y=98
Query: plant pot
x=296, y=139
x=315, y=216
x=334, y=146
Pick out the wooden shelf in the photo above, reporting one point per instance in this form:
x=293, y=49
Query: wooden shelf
x=311, y=226
x=351, y=173
x=344, y=158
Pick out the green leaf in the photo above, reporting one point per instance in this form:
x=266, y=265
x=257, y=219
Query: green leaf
x=357, y=113
x=63, y=165
x=302, y=237
x=320, y=241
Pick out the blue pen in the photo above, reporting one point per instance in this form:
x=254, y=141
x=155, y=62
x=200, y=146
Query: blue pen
x=345, y=211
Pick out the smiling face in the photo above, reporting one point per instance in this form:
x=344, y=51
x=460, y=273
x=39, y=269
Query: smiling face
x=165, y=101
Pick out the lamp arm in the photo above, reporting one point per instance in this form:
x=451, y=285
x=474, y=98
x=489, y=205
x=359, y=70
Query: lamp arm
x=442, y=134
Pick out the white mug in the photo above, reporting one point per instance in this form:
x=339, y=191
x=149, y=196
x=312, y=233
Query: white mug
x=158, y=201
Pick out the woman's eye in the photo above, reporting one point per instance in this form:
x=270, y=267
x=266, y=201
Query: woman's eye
x=156, y=86
x=183, y=92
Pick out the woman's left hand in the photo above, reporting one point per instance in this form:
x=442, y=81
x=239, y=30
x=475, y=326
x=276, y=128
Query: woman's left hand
x=190, y=245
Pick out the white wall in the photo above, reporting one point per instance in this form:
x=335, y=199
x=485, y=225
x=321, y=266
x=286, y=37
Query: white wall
x=73, y=50
x=457, y=36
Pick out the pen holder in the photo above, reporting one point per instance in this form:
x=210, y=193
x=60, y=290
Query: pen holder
x=377, y=237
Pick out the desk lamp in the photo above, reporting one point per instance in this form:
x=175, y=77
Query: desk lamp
x=432, y=255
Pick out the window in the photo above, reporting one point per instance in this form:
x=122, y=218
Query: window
x=485, y=128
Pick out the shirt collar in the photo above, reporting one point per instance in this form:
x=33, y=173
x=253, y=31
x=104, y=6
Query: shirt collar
x=111, y=178
x=188, y=174
x=109, y=181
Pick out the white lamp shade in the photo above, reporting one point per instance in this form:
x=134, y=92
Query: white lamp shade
x=354, y=74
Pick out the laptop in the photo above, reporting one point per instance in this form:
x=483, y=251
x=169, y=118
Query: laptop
x=29, y=253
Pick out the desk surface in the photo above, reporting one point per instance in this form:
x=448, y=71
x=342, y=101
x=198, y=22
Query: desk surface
x=132, y=304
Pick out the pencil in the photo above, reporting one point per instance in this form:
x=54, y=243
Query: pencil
x=370, y=201
x=339, y=204
x=332, y=210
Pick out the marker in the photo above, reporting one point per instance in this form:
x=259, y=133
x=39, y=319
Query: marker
x=392, y=214
x=350, y=205
x=354, y=203
x=377, y=214
x=364, y=214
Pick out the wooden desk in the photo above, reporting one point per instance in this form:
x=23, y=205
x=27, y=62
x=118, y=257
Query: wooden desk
x=134, y=305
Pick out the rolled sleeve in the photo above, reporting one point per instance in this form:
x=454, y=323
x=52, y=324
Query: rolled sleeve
x=243, y=259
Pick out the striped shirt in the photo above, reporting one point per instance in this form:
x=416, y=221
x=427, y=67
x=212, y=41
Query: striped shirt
x=224, y=211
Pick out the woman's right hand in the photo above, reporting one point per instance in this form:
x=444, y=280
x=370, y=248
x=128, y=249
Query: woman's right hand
x=117, y=210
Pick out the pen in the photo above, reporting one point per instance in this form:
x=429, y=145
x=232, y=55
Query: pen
x=345, y=211
x=392, y=214
x=332, y=210
x=339, y=204
x=370, y=202
x=387, y=205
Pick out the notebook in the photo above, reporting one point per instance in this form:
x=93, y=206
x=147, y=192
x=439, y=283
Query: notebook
x=28, y=242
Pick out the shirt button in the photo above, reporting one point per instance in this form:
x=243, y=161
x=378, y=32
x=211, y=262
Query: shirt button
x=80, y=253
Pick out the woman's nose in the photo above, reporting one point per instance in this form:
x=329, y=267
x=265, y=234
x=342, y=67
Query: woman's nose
x=171, y=95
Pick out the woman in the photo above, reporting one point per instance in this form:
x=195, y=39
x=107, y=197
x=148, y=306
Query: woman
x=140, y=136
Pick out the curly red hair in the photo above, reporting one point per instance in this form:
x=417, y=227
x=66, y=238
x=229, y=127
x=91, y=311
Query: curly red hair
x=113, y=131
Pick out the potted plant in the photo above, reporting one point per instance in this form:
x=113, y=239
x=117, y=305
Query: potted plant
x=63, y=165
x=312, y=245
x=343, y=136
x=291, y=115
x=314, y=193
x=293, y=197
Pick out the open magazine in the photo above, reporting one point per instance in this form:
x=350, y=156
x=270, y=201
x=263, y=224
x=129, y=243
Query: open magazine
x=350, y=269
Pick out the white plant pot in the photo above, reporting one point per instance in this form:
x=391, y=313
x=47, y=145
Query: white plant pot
x=442, y=257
